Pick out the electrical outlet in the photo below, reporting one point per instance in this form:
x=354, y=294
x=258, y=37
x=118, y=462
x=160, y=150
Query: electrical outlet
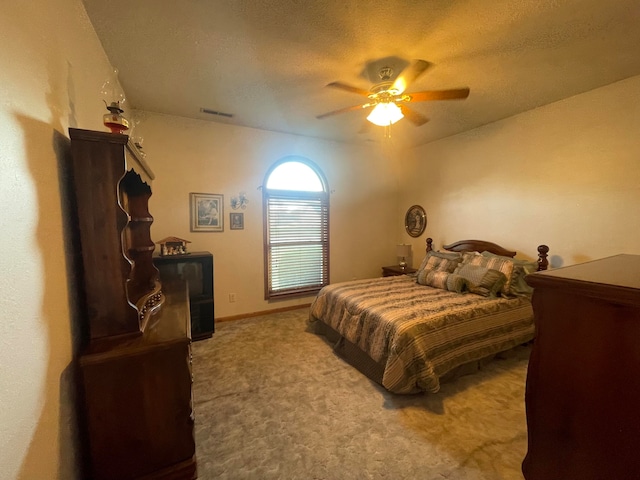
x=232, y=298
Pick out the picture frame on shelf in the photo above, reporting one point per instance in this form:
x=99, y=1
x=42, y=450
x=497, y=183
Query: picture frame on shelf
x=236, y=221
x=207, y=212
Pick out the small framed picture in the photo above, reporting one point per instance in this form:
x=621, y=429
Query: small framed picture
x=236, y=220
x=207, y=212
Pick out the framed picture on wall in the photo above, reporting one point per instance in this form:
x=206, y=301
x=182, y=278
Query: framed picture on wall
x=207, y=212
x=415, y=220
x=236, y=220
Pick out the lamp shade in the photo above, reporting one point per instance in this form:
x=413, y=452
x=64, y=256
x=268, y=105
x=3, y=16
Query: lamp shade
x=112, y=92
x=385, y=113
x=403, y=250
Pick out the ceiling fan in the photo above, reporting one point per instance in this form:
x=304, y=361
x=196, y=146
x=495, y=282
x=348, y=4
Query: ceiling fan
x=389, y=100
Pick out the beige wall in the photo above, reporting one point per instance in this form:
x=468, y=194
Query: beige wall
x=566, y=174
x=52, y=69
x=198, y=156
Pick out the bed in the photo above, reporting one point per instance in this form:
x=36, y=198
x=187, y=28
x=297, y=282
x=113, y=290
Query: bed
x=410, y=333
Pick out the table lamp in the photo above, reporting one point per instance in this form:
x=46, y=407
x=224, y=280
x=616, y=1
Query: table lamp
x=403, y=250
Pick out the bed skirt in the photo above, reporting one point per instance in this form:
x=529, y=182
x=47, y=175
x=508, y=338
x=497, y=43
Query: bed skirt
x=373, y=370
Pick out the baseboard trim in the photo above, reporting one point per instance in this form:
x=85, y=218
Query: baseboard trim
x=263, y=312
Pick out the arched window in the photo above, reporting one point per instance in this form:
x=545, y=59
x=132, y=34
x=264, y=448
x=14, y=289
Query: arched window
x=296, y=229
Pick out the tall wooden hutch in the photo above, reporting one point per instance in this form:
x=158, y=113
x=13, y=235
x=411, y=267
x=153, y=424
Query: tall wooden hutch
x=136, y=363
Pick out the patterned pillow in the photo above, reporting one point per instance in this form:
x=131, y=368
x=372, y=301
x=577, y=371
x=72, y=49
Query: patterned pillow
x=502, y=264
x=453, y=256
x=435, y=262
x=456, y=283
x=521, y=268
x=433, y=278
x=482, y=280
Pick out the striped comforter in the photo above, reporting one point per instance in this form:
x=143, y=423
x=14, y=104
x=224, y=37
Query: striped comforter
x=420, y=333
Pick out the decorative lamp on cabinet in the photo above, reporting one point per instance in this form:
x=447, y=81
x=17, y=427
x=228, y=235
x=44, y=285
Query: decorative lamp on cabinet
x=113, y=97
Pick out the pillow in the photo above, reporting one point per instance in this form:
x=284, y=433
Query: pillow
x=521, y=268
x=494, y=262
x=444, y=280
x=456, y=283
x=433, y=278
x=435, y=263
x=449, y=255
x=453, y=257
x=519, y=286
x=482, y=280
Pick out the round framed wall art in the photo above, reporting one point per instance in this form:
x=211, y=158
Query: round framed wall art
x=415, y=220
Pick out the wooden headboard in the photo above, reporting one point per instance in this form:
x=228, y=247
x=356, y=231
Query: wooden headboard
x=484, y=246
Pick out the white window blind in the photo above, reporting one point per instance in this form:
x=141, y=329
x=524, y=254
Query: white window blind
x=296, y=242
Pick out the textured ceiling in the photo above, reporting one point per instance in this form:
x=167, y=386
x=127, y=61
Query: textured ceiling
x=267, y=62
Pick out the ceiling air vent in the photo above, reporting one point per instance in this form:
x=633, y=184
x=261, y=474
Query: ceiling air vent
x=214, y=112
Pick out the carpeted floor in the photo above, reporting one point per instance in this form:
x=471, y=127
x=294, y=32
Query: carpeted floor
x=272, y=401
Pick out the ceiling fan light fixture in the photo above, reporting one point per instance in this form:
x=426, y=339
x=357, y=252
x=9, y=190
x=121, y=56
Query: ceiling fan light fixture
x=384, y=114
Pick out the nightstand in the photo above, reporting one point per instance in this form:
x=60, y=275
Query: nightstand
x=394, y=270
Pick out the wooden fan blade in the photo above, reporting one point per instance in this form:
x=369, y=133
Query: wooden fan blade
x=344, y=110
x=413, y=116
x=454, y=94
x=409, y=74
x=349, y=88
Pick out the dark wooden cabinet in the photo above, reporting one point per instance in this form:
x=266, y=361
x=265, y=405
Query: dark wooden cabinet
x=583, y=393
x=110, y=190
x=138, y=398
x=135, y=366
x=395, y=270
x=196, y=270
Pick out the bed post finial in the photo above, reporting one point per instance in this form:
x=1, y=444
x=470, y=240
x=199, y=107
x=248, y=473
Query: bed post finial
x=429, y=244
x=543, y=263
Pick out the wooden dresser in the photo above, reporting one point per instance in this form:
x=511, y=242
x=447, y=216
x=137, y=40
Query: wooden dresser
x=583, y=382
x=135, y=365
